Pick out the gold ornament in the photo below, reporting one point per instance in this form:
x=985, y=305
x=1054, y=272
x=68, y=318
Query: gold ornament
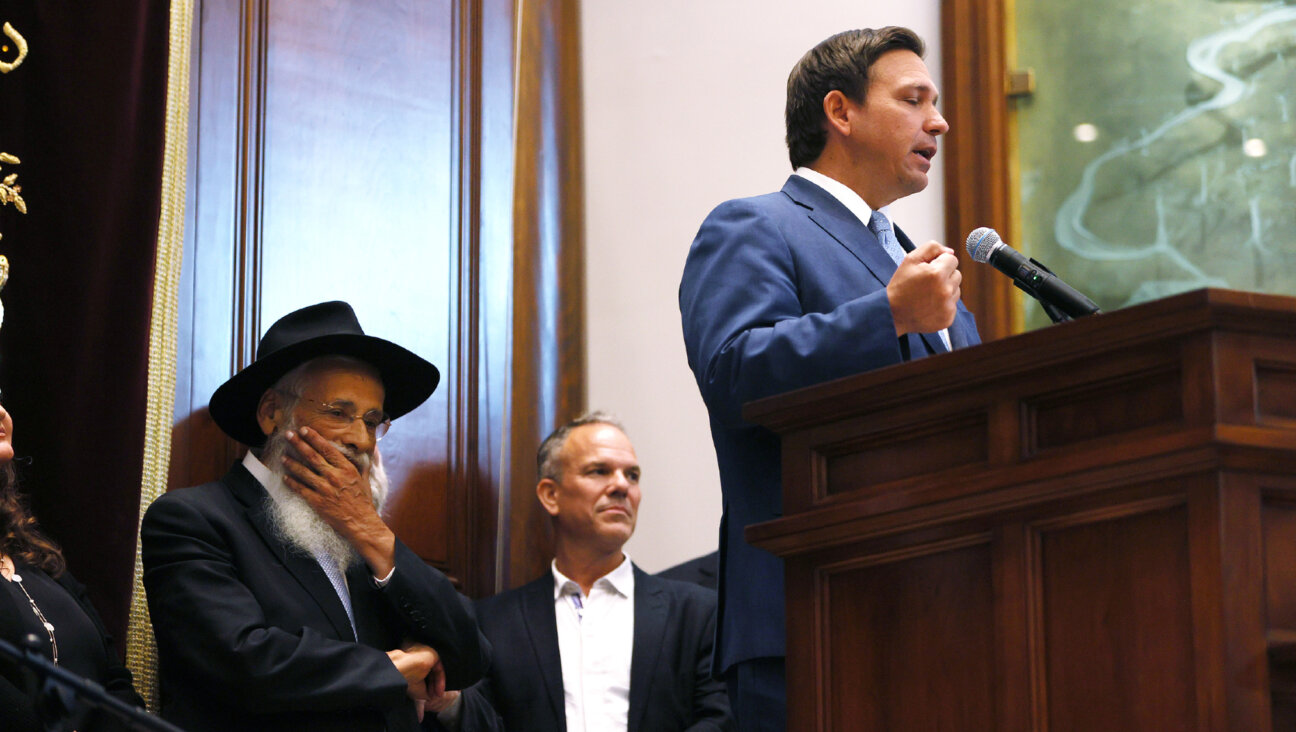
x=20, y=42
x=9, y=190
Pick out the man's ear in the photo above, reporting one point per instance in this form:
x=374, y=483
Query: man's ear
x=836, y=111
x=268, y=413
x=547, y=492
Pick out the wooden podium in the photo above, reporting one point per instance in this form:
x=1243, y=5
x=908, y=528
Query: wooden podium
x=1091, y=527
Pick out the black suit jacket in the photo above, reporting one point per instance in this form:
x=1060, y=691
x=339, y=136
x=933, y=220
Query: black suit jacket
x=252, y=636
x=671, y=687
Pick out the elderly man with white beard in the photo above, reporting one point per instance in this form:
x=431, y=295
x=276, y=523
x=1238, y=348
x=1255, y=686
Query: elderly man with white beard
x=279, y=597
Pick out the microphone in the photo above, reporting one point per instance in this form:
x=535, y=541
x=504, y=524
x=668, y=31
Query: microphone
x=1060, y=300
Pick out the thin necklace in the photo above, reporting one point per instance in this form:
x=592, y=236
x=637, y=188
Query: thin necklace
x=49, y=627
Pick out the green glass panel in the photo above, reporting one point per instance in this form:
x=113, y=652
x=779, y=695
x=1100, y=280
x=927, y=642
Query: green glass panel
x=1158, y=153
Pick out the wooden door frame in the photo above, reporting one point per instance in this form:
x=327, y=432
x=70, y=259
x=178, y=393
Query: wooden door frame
x=979, y=171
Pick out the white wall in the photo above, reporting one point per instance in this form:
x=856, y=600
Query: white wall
x=683, y=110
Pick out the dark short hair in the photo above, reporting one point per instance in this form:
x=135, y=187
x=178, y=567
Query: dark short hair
x=840, y=63
x=551, y=448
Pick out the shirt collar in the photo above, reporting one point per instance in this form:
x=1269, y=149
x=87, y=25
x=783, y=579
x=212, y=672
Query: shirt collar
x=620, y=579
x=843, y=193
x=258, y=469
x=272, y=483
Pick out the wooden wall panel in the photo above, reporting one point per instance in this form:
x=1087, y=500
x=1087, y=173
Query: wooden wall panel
x=1280, y=562
x=978, y=179
x=549, y=346
x=365, y=152
x=1279, y=520
x=927, y=602
x=358, y=204
x=1117, y=630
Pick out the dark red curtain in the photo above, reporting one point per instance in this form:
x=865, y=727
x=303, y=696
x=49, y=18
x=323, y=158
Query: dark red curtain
x=85, y=114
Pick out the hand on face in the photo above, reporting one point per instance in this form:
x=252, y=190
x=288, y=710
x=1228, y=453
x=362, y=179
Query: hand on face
x=327, y=478
x=340, y=493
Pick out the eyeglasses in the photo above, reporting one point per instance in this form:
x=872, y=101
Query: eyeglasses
x=340, y=415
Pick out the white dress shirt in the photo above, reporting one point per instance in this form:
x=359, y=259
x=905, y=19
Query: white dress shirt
x=853, y=203
x=595, y=642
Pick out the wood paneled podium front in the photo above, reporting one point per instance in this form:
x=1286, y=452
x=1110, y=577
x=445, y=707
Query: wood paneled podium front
x=1090, y=527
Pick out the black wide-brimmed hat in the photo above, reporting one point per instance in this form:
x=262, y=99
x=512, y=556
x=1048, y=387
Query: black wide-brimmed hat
x=326, y=329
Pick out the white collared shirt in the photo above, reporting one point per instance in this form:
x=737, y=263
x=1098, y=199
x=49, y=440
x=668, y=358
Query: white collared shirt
x=595, y=642
x=853, y=203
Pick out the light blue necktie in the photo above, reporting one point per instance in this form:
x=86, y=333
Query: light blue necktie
x=881, y=228
x=335, y=578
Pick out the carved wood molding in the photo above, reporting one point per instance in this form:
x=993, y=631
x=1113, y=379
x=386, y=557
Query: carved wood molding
x=253, y=46
x=978, y=169
x=548, y=369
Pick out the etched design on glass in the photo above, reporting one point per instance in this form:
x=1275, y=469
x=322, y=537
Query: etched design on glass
x=1159, y=152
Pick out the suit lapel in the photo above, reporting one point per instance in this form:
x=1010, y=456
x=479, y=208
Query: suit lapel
x=838, y=222
x=364, y=605
x=542, y=629
x=303, y=568
x=651, y=608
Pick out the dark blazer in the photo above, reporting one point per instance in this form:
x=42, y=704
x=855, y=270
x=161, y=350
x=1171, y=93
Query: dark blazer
x=671, y=687
x=700, y=571
x=252, y=636
x=780, y=292
x=17, y=706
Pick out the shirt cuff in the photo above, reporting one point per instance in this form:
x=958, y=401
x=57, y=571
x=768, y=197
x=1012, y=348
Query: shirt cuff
x=451, y=716
x=381, y=583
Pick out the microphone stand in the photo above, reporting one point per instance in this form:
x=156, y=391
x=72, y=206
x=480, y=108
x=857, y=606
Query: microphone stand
x=1053, y=311
x=1057, y=316
x=65, y=698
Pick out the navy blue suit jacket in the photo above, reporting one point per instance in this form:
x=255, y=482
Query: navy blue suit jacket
x=780, y=292
x=671, y=686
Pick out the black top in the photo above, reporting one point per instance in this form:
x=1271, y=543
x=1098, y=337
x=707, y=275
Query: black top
x=84, y=646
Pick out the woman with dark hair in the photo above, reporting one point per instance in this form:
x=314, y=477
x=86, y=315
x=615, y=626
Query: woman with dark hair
x=38, y=596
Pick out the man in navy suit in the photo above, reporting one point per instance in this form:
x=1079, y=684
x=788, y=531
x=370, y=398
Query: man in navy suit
x=595, y=644
x=805, y=285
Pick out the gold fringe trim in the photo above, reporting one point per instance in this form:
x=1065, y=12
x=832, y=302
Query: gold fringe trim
x=141, y=651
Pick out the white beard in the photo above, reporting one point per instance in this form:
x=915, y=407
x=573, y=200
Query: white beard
x=293, y=519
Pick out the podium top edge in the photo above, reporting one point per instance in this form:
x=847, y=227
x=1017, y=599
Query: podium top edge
x=1138, y=326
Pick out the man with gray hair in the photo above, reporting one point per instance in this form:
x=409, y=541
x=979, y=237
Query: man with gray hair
x=279, y=597
x=595, y=644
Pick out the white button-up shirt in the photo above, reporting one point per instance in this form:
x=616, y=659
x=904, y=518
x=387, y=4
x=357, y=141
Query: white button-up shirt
x=596, y=641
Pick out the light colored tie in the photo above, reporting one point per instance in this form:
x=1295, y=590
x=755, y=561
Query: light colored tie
x=880, y=225
x=335, y=578
x=881, y=228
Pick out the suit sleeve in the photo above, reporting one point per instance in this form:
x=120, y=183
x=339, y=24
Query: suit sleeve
x=745, y=329
x=215, y=631
x=710, y=697
x=476, y=711
x=439, y=616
